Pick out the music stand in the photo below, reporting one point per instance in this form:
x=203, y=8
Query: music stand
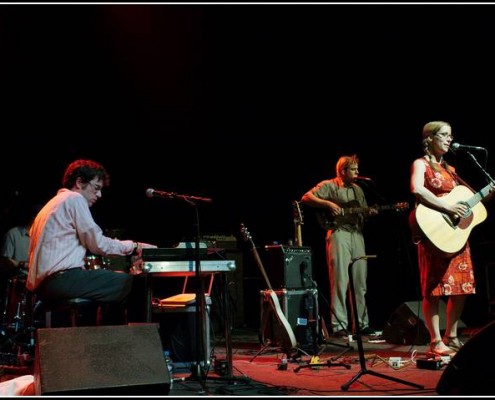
x=362, y=359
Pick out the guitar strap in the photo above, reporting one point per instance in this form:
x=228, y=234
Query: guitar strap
x=360, y=217
x=458, y=179
x=452, y=173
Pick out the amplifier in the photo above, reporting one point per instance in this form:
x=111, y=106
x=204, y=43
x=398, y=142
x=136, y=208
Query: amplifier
x=300, y=307
x=289, y=266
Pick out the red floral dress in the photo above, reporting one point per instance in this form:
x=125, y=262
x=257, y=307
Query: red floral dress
x=443, y=274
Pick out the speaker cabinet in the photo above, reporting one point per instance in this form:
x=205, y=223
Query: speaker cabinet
x=100, y=360
x=288, y=267
x=180, y=335
x=406, y=325
x=471, y=372
x=300, y=308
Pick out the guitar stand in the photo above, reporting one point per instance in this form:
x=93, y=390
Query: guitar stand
x=330, y=362
x=362, y=359
x=268, y=346
x=347, y=347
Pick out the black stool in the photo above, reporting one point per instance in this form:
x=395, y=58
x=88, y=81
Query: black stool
x=73, y=306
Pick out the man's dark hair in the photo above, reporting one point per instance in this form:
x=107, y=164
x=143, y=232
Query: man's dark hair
x=87, y=170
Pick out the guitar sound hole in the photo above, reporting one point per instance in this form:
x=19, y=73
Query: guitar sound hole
x=465, y=222
x=450, y=220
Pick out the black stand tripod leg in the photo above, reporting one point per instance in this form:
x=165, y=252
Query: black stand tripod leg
x=362, y=360
x=267, y=346
x=346, y=386
x=228, y=327
x=348, y=348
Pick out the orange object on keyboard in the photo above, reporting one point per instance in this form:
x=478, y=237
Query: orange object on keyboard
x=179, y=300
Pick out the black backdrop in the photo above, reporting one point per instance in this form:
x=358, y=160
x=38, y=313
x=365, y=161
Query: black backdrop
x=250, y=105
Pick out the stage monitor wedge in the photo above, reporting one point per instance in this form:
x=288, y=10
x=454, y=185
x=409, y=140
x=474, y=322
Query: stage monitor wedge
x=471, y=372
x=100, y=360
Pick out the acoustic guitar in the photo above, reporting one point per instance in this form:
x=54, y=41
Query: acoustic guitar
x=352, y=213
x=283, y=333
x=446, y=233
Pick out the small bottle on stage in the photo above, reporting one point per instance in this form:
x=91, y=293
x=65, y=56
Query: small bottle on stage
x=170, y=366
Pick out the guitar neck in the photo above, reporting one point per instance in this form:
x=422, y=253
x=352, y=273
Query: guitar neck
x=298, y=222
x=350, y=214
x=360, y=210
x=477, y=197
x=260, y=265
x=298, y=238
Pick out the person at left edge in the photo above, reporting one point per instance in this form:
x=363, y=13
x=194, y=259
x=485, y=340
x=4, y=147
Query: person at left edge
x=15, y=243
x=14, y=254
x=61, y=234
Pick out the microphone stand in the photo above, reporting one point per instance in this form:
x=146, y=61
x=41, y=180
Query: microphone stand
x=200, y=292
x=200, y=311
x=362, y=359
x=198, y=372
x=487, y=175
x=200, y=302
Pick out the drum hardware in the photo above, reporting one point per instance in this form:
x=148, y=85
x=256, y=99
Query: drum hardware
x=17, y=332
x=20, y=316
x=92, y=261
x=14, y=307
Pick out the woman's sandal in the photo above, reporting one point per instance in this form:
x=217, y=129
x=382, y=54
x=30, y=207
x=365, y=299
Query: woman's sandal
x=453, y=342
x=435, y=350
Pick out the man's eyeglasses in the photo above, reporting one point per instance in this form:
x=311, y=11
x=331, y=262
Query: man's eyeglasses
x=97, y=188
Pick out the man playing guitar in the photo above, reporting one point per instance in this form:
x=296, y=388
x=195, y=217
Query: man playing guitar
x=344, y=240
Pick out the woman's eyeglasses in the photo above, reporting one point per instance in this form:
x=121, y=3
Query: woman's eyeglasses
x=445, y=135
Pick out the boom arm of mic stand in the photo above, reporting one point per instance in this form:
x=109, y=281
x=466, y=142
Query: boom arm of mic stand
x=487, y=175
x=192, y=199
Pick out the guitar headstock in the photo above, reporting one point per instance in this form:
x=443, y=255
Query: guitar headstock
x=402, y=206
x=245, y=233
x=298, y=215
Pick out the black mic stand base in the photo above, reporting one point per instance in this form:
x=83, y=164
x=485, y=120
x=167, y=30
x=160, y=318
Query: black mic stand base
x=359, y=340
x=365, y=371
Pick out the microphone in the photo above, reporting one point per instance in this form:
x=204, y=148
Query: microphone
x=458, y=146
x=157, y=193
x=363, y=178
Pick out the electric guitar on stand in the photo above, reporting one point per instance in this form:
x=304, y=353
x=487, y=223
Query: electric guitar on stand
x=283, y=333
x=298, y=222
x=322, y=334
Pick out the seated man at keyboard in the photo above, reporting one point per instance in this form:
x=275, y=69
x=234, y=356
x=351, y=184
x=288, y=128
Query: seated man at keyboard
x=61, y=234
